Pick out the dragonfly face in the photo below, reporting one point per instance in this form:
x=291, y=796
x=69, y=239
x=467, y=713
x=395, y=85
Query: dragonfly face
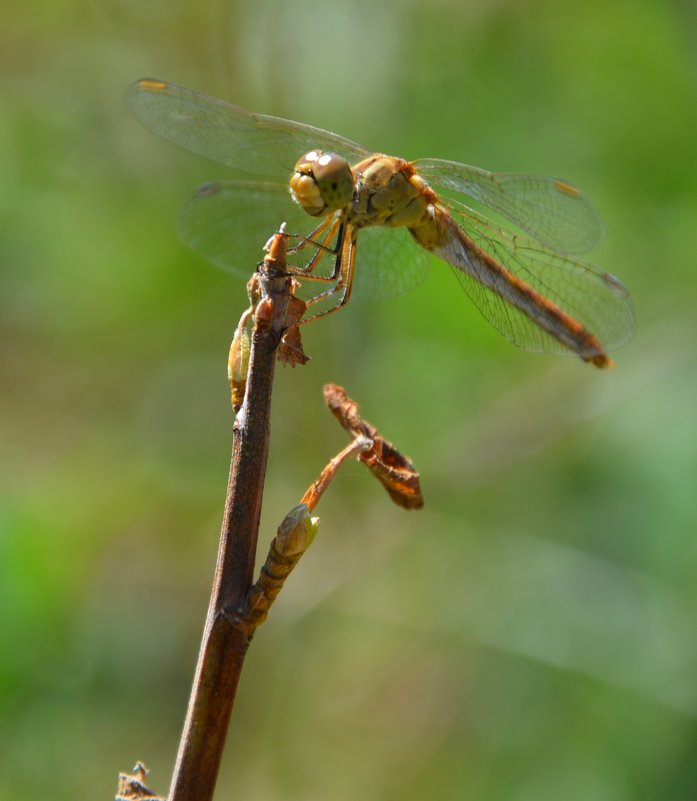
x=532, y=288
x=322, y=183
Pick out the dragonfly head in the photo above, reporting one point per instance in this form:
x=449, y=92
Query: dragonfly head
x=322, y=183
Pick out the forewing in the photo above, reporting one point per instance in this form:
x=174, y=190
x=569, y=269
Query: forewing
x=249, y=143
x=552, y=211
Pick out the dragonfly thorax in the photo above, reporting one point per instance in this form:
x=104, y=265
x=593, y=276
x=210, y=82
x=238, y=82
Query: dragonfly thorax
x=389, y=192
x=322, y=183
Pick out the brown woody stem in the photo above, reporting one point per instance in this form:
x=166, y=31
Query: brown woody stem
x=225, y=642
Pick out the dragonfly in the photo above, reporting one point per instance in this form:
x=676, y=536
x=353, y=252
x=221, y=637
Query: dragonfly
x=380, y=218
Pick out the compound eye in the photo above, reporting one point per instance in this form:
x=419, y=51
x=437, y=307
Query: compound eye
x=334, y=179
x=322, y=182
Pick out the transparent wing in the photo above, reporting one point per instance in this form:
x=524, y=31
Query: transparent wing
x=254, y=144
x=228, y=223
x=388, y=263
x=552, y=211
x=597, y=300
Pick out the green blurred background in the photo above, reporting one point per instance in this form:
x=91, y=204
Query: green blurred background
x=530, y=634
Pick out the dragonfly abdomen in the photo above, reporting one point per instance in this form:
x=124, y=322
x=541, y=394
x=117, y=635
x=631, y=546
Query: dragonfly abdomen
x=440, y=234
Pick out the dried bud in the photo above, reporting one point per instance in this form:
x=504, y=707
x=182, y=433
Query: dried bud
x=238, y=365
x=395, y=471
x=132, y=786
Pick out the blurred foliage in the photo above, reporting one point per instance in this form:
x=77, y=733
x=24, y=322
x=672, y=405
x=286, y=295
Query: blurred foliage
x=530, y=634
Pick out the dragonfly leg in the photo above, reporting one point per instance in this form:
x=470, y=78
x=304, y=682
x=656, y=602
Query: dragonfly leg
x=326, y=231
x=343, y=270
